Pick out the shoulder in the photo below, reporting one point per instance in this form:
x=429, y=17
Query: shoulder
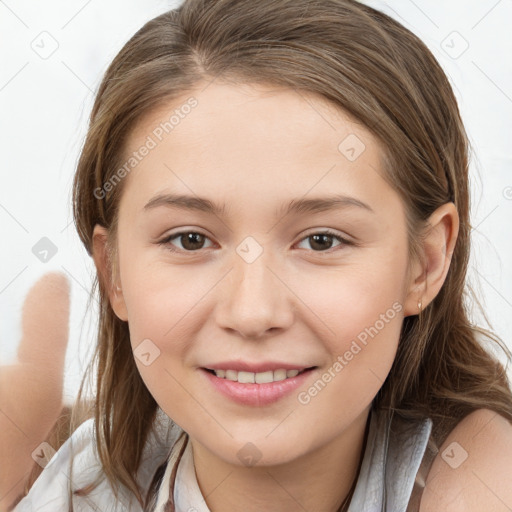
x=77, y=464
x=51, y=485
x=473, y=469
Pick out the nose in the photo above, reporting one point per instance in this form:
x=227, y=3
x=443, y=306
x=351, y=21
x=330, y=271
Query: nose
x=256, y=299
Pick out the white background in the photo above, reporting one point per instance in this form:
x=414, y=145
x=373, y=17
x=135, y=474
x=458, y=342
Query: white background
x=45, y=103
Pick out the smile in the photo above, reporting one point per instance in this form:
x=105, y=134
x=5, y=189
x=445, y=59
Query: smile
x=257, y=389
x=256, y=378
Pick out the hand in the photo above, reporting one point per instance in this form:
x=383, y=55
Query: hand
x=31, y=390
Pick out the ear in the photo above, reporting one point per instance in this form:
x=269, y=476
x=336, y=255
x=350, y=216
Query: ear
x=109, y=279
x=427, y=277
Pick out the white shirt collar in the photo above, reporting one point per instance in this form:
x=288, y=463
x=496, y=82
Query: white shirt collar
x=187, y=495
x=387, y=476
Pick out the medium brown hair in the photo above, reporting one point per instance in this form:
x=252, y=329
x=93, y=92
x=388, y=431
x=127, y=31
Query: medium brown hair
x=372, y=68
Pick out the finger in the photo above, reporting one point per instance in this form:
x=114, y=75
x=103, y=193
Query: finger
x=45, y=324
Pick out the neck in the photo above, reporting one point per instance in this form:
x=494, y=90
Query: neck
x=320, y=479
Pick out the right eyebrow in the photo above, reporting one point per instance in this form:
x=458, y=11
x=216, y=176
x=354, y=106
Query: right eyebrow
x=185, y=202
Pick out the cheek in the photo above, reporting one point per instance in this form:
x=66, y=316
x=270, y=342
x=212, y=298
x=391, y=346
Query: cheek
x=165, y=313
x=361, y=353
x=358, y=310
x=160, y=334
x=158, y=296
x=348, y=300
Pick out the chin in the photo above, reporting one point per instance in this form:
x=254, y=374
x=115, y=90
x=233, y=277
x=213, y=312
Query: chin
x=256, y=452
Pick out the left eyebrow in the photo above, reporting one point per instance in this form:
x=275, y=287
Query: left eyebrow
x=298, y=206
x=321, y=204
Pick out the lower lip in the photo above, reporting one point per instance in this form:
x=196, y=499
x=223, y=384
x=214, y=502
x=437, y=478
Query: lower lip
x=257, y=394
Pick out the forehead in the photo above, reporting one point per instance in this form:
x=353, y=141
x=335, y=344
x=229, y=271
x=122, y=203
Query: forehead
x=226, y=110
x=261, y=141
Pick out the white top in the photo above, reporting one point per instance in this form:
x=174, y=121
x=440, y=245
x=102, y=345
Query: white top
x=392, y=457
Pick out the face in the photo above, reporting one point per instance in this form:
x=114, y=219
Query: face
x=260, y=266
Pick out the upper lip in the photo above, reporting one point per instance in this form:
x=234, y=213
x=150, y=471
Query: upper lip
x=245, y=366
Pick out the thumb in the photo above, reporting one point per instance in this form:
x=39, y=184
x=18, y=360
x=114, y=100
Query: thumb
x=45, y=324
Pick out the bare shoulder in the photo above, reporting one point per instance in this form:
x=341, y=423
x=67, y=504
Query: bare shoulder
x=473, y=469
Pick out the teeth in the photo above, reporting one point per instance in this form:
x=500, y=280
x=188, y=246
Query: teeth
x=258, y=378
x=246, y=377
x=231, y=375
x=264, y=377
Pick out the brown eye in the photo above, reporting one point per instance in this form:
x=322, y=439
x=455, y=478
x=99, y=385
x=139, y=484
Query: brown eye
x=190, y=241
x=323, y=241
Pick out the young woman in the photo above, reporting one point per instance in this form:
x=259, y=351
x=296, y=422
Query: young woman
x=275, y=195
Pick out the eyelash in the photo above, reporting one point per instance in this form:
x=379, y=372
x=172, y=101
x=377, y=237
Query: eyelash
x=167, y=241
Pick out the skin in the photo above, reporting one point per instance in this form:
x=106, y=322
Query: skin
x=480, y=481
x=31, y=390
x=255, y=148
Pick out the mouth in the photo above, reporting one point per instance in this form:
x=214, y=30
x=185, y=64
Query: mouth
x=265, y=377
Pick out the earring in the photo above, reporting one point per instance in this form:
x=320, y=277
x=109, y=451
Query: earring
x=419, y=305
